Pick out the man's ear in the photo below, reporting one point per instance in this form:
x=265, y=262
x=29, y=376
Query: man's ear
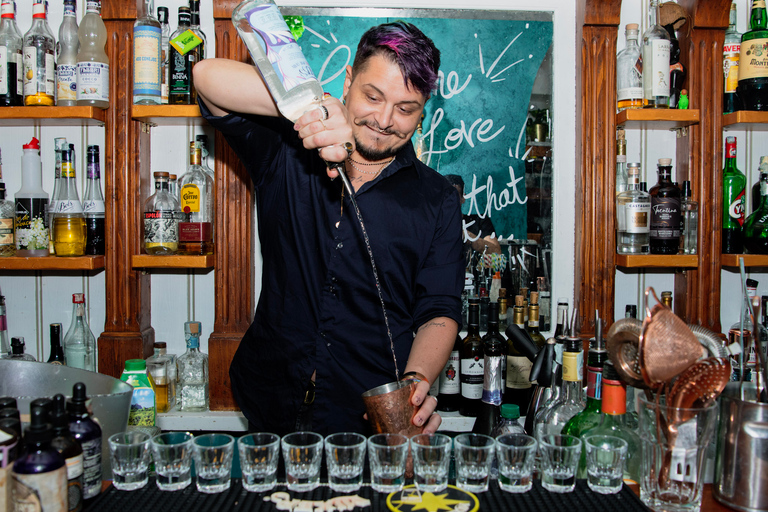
x=347, y=81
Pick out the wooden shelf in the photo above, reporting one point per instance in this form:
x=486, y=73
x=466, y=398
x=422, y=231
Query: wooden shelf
x=53, y=116
x=167, y=115
x=52, y=263
x=173, y=261
x=750, y=260
x=657, y=118
x=657, y=260
x=746, y=119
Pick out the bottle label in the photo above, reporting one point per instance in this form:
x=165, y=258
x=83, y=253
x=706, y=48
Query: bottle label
x=736, y=208
x=656, y=68
x=68, y=206
x=493, y=382
x=93, y=172
x=472, y=378
x=753, y=58
x=629, y=93
x=518, y=372
x=93, y=206
x=665, y=218
x=186, y=42
x=6, y=231
x=637, y=218
x=594, y=382
x=66, y=82
x=190, y=198
x=146, y=61
x=31, y=227
x=161, y=227
x=195, y=232
x=731, y=66
x=614, y=400
x=181, y=73
x=4, y=70
x=93, y=81
x=573, y=366
x=38, y=72
x=449, y=378
x=91, y=467
x=280, y=47
x=74, y=466
x=41, y=491
x=7, y=10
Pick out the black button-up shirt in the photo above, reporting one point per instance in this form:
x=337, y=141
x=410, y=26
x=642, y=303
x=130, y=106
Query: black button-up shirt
x=319, y=307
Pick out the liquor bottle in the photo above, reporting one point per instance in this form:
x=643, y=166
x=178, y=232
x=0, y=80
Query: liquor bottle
x=689, y=237
x=282, y=64
x=449, y=392
x=11, y=64
x=193, y=372
x=753, y=61
x=40, y=474
x=5, y=345
x=158, y=366
x=517, y=386
x=66, y=57
x=31, y=205
x=532, y=327
x=731, y=48
x=165, y=36
x=562, y=316
x=545, y=304
x=621, y=161
x=17, y=350
x=471, y=372
x=161, y=225
x=677, y=73
x=147, y=56
x=60, y=144
x=7, y=218
x=485, y=301
x=202, y=140
x=629, y=76
x=68, y=219
x=92, y=59
x=162, y=351
x=79, y=343
x=65, y=443
x=184, y=52
x=494, y=366
x=570, y=400
x=88, y=434
x=656, y=48
x=666, y=299
x=630, y=311
x=93, y=206
x=756, y=225
x=756, y=186
x=633, y=216
x=196, y=193
x=665, y=212
x=39, y=68
x=734, y=183
x=194, y=25
x=57, y=352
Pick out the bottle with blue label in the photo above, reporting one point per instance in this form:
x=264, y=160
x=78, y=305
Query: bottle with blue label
x=143, y=404
x=92, y=59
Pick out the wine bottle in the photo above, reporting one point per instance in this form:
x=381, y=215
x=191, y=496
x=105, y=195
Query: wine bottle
x=450, y=381
x=471, y=372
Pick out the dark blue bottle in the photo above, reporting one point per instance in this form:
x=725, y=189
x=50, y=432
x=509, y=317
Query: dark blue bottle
x=88, y=434
x=66, y=444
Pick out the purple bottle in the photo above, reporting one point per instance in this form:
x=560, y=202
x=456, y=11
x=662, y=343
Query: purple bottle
x=66, y=444
x=88, y=434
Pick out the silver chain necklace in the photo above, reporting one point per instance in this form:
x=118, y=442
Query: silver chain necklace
x=374, y=173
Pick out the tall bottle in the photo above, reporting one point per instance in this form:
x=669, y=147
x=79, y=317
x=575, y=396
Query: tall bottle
x=158, y=366
x=57, y=351
x=5, y=345
x=517, y=386
x=202, y=141
x=734, y=184
x=92, y=59
x=31, y=205
x=147, y=56
x=193, y=372
x=161, y=224
x=165, y=37
x=665, y=212
x=39, y=67
x=629, y=76
x=11, y=63
x=93, y=206
x=621, y=161
x=68, y=447
x=570, y=400
x=756, y=225
x=66, y=57
x=161, y=353
x=753, y=61
x=656, y=49
x=494, y=366
x=88, y=434
x=196, y=193
x=471, y=371
x=60, y=144
x=590, y=416
x=68, y=219
x=79, y=343
x=185, y=51
x=449, y=391
x=731, y=49
x=633, y=216
x=282, y=65
x=689, y=238
x=7, y=219
x=194, y=25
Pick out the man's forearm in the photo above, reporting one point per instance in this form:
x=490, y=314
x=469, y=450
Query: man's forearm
x=432, y=346
x=231, y=86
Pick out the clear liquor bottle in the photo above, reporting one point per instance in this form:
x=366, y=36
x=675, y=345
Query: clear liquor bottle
x=196, y=194
x=570, y=400
x=471, y=370
x=66, y=57
x=158, y=366
x=689, y=238
x=92, y=59
x=731, y=48
x=621, y=161
x=165, y=36
x=161, y=224
x=633, y=216
x=93, y=206
x=11, y=64
x=17, y=350
x=60, y=144
x=203, y=141
x=756, y=225
x=39, y=67
x=182, y=57
x=68, y=219
x=656, y=51
x=147, y=56
x=193, y=372
x=173, y=186
x=753, y=61
x=665, y=211
x=629, y=77
x=734, y=185
x=162, y=351
x=7, y=219
x=79, y=342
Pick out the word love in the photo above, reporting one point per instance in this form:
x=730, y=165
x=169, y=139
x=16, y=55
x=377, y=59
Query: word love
x=479, y=131
x=283, y=501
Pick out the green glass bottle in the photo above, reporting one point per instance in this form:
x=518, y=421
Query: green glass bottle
x=734, y=183
x=753, y=61
x=756, y=225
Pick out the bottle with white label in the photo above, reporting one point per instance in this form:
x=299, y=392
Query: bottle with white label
x=472, y=372
x=11, y=90
x=147, y=59
x=449, y=389
x=165, y=37
x=633, y=216
x=92, y=59
x=656, y=49
x=68, y=219
x=38, y=55
x=93, y=206
x=66, y=57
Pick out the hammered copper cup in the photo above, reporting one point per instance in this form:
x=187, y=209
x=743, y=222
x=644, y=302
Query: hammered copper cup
x=390, y=410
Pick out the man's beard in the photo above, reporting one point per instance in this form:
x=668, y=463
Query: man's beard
x=373, y=154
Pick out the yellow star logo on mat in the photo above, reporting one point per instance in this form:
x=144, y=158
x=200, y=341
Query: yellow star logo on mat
x=434, y=503
x=452, y=500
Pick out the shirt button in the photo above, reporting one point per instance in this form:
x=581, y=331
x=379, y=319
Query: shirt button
x=339, y=245
x=328, y=344
x=334, y=280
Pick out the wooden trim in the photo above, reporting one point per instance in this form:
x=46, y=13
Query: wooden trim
x=172, y=261
x=657, y=119
x=602, y=12
x=750, y=260
x=52, y=263
x=120, y=10
x=657, y=261
x=222, y=9
x=21, y=116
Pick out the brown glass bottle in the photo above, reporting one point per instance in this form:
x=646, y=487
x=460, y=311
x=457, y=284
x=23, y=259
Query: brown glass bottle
x=472, y=364
x=665, y=212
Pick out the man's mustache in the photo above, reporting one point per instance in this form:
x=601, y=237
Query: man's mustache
x=375, y=126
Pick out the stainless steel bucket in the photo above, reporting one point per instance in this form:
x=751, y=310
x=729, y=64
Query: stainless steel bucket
x=741, y=466
x=110, y=397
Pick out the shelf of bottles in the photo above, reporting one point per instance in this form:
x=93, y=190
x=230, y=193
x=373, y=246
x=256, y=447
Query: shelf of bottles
x=166, y=115
x=52, y=263
x=746, y=120
x=750, y=260
x=172, y=261
x=658, y=118
x=657, y=260
x=54, y=116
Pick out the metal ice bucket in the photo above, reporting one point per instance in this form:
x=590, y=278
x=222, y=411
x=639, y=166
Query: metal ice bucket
x=110, y=398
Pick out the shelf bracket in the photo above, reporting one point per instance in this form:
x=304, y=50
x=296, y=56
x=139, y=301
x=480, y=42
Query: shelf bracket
x=145, y=127
x=681, y=132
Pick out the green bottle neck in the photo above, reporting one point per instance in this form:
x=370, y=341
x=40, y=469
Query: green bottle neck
x=758, y=19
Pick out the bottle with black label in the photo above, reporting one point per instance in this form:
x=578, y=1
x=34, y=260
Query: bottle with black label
x=88, y=434
x=184, y=52
x=665, y=211
x=66, y=444
x=494, y=368
x=31, y=205
x=472, y=364
x=449, y=392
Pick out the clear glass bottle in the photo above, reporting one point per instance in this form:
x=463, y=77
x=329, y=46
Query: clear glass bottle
x=68, y=219
x=165, y=36
x=181, y=59
x=494, y=367
x=66, y=57
x=5, y=346
x=545, y=304
x=57, y=351
x=79, y=343
x=93, y=206
x=92, y=59
x=731, y=48
x=196, y=194
x=11, y=64
x=31, y=205
x=7, y=219
x=161, y=225
x=194, y=25
x=203, y=141
x=756, y=225
x=656, y=51
x=147, y=56
x=471, y=371
x=752, y=90
x=17, y=350
x=665, y=212
x=734, y=186
x=173, y=186
x=158, y=367
x=629, y=77
x=621, y=161
x=689, y=237
x=633, y=216
x=570, y=400
x=193, y=372
x=39, y=67
x=60, y=144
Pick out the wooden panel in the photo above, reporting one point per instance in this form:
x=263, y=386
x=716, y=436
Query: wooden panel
x=707, y=13
x=222, y=9
x=746, y=120
x=173, y=261
x=52, y=263
x=120, y=10
x=52, y=116
x=657, y=119
x=657, y=260
x=750, y=260
x=602, y=12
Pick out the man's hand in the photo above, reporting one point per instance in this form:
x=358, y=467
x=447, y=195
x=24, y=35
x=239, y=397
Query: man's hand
x=327, y=129
x=425, y=416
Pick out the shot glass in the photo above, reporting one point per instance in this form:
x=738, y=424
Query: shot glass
x=606, y=456
x=259, y=454
x=129, y=454
x=172, y=453
x=560, y=456
x=431, y=459
x=516, y=454
x=345, y=456
x=213, y=462
x=474, y=455
x=387, y=454
x=303, y=454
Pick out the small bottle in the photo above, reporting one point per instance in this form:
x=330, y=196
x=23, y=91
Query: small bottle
x=665, y=212
x=31, y=205
x=68, y=447
x=79, y=343
x=161, y=223
x=494, y=366
x=147, y=56
x=5, y=345
x=633, y=216
x=17, y=350
x=734, y=185
x=184, y=53
x=621, y=161
x=7, y=219
x=629, y=77
x=753, y=61
x=144, y=399
x=92, y=59
x=570, y=400
x=88, y=434
x=159, y=367
x=11, y=68
x=690, y=231
x=196, y=193
x=449, y=391
x=93, y=207
x=472, y=364
x=731, y=49
x=39, y=67
x=666, y=299
x=172, y=377
x=193, y=372
x=57, y=351
x=60, y=144
x=656, y=50
x=66, y=57
x=165, y=36
x=68, y=219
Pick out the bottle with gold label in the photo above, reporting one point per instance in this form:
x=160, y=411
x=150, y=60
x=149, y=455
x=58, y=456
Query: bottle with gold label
x=161, y=224
x=196, y=201
x=68, y=219
x=753, y=61
x=7, y=216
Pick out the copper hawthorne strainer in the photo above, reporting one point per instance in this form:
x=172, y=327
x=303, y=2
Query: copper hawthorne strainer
x=621, y=343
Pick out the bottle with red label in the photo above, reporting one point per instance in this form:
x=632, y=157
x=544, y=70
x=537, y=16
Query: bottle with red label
x=196, y=202
x=665, y=212
x=734, y=184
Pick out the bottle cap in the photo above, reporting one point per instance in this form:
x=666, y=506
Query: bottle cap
x=665, y=162
x=519, y=300
x=562, y=300
x=160, y=174
x=159, y=344
x=135, y=365
x=163, y=14
x=686, y=188
x=632, y=310
x=573, y=345
x=510, y=411
x=730, y=139
x=44, y=402
x=752, y=283
x=39, y=430
x=76, y=404
x=59, y=416
x=534, y=298
x=11, y=426
x=33, y=144
x=7, y=401
x=632, y=26
x=17, y=345
x=192, y=327
x=172, y=177
x=78, y=298
x=55, y=331
x=10, y=412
